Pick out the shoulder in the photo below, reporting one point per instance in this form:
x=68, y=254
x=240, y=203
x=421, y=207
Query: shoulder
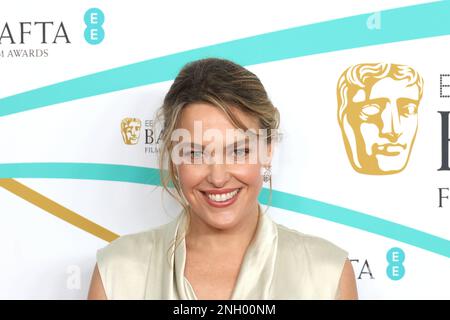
x=127, y=246
x=320, y=251
x=131, y=247
x=123, y=263
x=314, y=262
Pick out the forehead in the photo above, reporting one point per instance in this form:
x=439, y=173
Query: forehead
x=388, y=87
x=212, y=117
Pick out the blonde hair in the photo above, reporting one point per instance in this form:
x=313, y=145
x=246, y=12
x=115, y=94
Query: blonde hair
x=223, y=84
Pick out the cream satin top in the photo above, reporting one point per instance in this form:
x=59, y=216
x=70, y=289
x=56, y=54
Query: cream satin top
x=280, y=263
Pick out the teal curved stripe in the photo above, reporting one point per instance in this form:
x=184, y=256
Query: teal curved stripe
x=400, y=24
x=282, y=200
x=81, y=170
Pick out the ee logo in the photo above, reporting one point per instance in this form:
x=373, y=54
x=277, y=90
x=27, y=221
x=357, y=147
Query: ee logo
x=94, y=33
x=395, y=269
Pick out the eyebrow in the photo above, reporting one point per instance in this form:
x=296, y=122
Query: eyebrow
x=381, y=99
x=408, y=100
x=196, y=145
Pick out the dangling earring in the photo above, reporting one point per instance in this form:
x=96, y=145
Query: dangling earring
x=267, y=174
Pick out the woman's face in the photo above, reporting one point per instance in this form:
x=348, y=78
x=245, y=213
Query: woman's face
x=220, y=192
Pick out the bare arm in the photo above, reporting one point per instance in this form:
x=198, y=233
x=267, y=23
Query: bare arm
x=347, y=284
x=96, y=290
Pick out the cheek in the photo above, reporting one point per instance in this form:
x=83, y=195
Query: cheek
x=369, y=132
x=249, y=174
x=190, y=176
x=409, y=126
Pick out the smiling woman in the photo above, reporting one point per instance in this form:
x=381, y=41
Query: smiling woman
x=219, y=135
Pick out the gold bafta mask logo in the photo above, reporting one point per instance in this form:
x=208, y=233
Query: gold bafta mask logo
x=131, y=129
x=377, y=113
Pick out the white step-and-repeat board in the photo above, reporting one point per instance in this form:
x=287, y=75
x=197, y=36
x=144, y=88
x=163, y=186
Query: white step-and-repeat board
x=363, y=88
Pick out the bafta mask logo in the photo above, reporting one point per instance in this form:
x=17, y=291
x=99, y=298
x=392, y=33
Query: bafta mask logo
x=131, y=129
x=377, y=113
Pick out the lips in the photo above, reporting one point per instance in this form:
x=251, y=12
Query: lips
x=221, y=198
x=390, y=149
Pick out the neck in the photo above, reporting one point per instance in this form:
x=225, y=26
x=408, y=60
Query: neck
x=203, y=237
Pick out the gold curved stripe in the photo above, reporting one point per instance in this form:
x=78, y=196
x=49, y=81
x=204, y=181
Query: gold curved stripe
x=56, y=209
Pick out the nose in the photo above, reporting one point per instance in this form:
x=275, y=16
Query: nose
x=218, y=175
x=390, y=122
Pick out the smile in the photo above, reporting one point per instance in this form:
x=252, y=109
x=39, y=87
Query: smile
x=221, y=198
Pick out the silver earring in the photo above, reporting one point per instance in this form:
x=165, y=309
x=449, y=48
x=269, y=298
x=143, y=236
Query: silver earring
x=267, y=174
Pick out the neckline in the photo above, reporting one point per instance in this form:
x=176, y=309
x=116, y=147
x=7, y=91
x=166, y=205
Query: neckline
x=258, y=260
x=191, y=288
x=252, y=241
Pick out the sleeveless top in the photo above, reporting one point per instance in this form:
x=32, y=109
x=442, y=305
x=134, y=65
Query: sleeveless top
x=280, y=263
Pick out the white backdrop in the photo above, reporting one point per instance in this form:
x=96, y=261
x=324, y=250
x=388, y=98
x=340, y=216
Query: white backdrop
x=46, y=257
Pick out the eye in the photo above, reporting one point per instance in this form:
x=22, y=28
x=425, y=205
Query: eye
x=192, y=153
x=241, y=152
x=370, y=110
x=196, y=154
x=409, y=109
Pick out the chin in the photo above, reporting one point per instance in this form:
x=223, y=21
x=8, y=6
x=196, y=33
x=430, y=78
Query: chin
x=390, y=164
x=222, y=220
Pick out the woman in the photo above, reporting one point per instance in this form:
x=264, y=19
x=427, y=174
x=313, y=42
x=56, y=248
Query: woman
x=222, y=246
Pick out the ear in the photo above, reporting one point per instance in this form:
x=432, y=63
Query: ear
x=268, y=159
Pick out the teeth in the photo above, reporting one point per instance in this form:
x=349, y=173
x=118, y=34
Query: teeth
x=223, y=197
